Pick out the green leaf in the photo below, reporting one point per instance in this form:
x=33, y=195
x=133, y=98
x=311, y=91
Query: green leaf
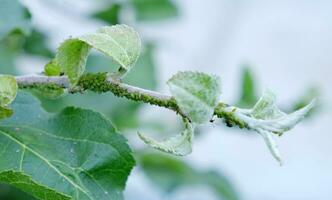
x=5, y=112
x=71, y=57
x=8, y=89
x=197, y=94
x=77, y=153
x=13, y=16
x=52, y=69
x=110, y=14
x=120, y=42
x=154, y=10
x=26, y=184
x=248, y=89
x=50, y=92
x=170, y=174
x=271, y=144
x=179, y=145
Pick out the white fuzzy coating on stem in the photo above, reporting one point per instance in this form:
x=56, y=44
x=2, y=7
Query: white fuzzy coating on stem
x=63, y=81
x=30, y=80
x=133, y=89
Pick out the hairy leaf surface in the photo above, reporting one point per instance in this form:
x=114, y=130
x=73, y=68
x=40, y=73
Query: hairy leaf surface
x=76, y=153
x=120, y=42
x=179, y=145
x=266, y=118
x=197, y=94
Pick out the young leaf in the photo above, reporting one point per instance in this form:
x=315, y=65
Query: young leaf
x=71, y=57
x=197, y=94
x=266, y=107
x=120, y=42
x=267, y=115
x=76, y=153
x=52, y=69
x=271, y=144
x=179, y=145
x=266, y=118
x=8, y=89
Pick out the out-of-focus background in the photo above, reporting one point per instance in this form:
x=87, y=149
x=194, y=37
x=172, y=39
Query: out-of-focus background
x=252, y=45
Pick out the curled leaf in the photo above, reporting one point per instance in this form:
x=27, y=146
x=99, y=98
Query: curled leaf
x=179, y=145
x=71, y=57
x=120, y=42
x=266, y=107
x=197, y=94
x=271, y=144
x=266, y=118
x=52, y=69
x=8, y=89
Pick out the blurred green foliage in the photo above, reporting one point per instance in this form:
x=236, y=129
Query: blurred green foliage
x=36, y=44
x=13, y=17
x=110, y=14
x=170, y=174
x=248, y=96
x=154, y=10
x=144, y=11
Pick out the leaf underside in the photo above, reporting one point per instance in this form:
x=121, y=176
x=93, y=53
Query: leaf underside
x=179, y=145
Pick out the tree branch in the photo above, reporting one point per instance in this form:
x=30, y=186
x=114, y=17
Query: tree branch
x=101, y=82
